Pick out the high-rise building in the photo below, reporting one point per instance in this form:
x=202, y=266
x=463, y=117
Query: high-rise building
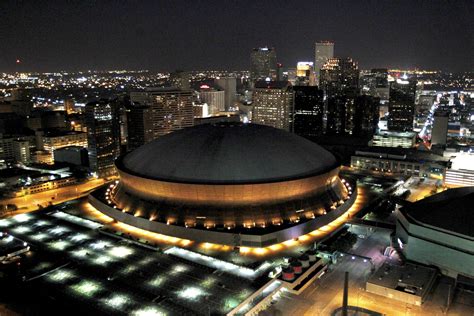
x=305, y=74
x=103, y=136
x=273, y=104
x=323, y=50
x=21, y=151
x=69, y=106
x=229, y=85
x=340, y=82
x=215, y=99
x=401, y=105
x=171, y=109
x=291, y=76
x=439, y=132
x=309, y=111
x=263, y=64
x=375, y=83
x=139, y=126
x=365, y=115
x=180, y=80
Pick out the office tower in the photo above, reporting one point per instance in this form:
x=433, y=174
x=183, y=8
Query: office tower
x=401, y=105
x=340, y=82
x=103, y=136
x=305, y=74
x=323, y=50
x=439, y=131
x=171, y=109
x=365, y=115
x=309, y=111
x=263, y=64
x=229, y=85
x=273, y=103
x=215, y=99
x=375, y=83
x=21, y=151
x=139, y=126
x=180, y=80
x=279, y=76
x=50, y=140
x=21, y=102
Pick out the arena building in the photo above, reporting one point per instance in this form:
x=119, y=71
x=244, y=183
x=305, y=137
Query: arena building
x=437, y=231
x=228, y=183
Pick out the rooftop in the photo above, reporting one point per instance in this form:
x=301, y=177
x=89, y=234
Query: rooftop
x=409, y=278
x=450, y=210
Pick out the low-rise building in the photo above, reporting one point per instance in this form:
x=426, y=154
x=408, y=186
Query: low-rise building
x=409, y=283
x=394, y=139
x=403, y=162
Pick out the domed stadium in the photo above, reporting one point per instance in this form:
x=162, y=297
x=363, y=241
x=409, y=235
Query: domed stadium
x=226, y=183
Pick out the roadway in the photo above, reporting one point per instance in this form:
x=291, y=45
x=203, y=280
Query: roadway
x=31, y=202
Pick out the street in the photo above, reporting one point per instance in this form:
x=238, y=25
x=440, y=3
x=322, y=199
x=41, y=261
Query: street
x=30, y=202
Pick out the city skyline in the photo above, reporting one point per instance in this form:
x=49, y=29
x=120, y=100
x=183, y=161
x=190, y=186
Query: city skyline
x=191, y=36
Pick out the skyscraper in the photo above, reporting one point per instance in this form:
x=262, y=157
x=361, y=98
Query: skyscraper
x=273, y=104
x=263, y=64
x=305, y=74
x=439, y=132
x=340, y=82
x=229, y=85
x=323, y=50
x=180, y=80
x=365, y=115
x=375, y=83
x=140, y=126
x=401, y=106
x=103, y=136
x=214, y=98
x=309, y=111
x=171, y=109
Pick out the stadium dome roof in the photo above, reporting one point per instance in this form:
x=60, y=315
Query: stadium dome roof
x=228, y=153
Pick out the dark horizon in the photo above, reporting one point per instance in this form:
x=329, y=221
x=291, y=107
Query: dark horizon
x=49, y=36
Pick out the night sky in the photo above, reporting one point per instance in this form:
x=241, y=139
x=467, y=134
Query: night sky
x=193, y=35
